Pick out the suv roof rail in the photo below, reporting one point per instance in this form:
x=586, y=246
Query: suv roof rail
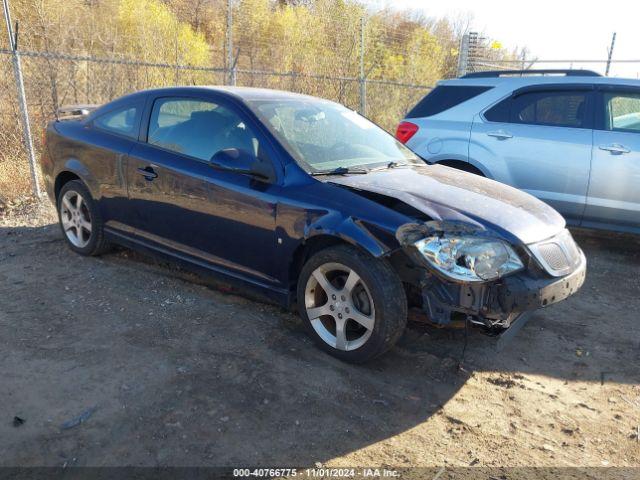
x=501, y=73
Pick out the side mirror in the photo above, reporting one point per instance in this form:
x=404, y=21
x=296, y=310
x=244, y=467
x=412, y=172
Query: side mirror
x=243, y=162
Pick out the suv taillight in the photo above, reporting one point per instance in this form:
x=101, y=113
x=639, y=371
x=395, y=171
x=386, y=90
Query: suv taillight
x=405, y=131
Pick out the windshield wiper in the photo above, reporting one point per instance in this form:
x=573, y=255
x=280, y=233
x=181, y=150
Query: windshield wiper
x=389, y=165
x=341, y=171
x=395, y=164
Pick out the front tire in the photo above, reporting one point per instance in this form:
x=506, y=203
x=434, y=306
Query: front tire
x=80, y=220
x=352, y=305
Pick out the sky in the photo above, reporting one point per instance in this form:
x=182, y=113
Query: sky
x=550, y=30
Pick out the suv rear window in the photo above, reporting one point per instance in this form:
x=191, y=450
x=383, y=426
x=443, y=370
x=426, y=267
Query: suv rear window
x=561, y=109
x=443, y=98
x=565, y=108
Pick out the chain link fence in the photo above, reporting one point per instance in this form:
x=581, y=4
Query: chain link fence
x=14, y=160
x=64, y=74
x=477, y=53
x=78, y=51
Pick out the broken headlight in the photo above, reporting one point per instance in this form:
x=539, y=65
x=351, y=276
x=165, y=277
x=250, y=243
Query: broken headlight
x=469, y=259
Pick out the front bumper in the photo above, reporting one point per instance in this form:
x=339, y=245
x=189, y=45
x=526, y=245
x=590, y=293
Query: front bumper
x=497, y=305
x=519, y=293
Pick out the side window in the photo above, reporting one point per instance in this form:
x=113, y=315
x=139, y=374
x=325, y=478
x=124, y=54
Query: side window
x=443, y=98
x=121, y=121
x=559, y=109
x=622, y=112
x=198, y=128
x=499, y=112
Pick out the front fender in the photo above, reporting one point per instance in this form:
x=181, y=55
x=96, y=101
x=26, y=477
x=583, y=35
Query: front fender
x=375, y=240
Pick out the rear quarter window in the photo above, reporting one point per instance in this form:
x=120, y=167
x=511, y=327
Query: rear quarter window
x=443, y=98
x=121, y=121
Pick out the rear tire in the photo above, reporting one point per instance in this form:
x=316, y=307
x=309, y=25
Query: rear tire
x=352, y=305
x=80, y=220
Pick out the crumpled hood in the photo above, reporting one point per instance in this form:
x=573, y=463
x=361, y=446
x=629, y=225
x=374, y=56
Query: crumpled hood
x=444, y=193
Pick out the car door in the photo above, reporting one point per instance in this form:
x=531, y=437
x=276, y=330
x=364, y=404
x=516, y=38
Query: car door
x=111, y=134
x=183, y=205
x=613, y=198
x=539, y=140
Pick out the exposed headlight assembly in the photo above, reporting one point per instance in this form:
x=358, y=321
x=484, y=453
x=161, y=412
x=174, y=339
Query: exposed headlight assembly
x=469, y=259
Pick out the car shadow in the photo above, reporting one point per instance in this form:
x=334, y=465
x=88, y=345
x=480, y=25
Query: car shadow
x=178, y=373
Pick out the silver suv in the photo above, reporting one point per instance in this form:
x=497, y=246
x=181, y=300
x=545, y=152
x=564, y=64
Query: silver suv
x=568, y=137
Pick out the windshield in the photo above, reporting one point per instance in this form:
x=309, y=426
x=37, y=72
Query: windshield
x=323, y=136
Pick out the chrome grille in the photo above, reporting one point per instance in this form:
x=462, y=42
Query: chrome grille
x=558, y=255
x=554, y=256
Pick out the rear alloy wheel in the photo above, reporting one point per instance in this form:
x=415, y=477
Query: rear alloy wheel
x=353, y=305
x=80, y=219
x=75, y=219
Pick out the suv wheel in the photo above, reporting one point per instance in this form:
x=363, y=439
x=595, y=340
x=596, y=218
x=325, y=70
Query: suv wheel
x=353, y=305
x=80, y=220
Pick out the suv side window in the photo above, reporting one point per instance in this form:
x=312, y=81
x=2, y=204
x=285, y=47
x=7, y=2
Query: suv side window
x=622, y=111
x=121, y=121
x=443, y=98
x=499, y=112
x=566, y=108
x=198, y=128
x=558, y=109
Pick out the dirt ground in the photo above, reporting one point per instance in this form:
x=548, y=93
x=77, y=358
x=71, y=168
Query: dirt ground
x=167, y=371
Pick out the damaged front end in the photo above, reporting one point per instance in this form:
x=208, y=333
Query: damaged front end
x=462, y=272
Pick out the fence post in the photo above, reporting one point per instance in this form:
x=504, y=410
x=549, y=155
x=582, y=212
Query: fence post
x=230, y=60
x=463, y=55
x=362, y=79
x=177, y=51
x=610, y=54
x=22, y=97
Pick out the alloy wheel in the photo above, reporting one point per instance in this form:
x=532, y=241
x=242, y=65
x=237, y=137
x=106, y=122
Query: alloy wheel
x=75, y=218
x=339, y=306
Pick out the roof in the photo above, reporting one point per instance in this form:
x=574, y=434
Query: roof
x=243, y=93
x=251, y=93
x=517, y=81
x=521, y=73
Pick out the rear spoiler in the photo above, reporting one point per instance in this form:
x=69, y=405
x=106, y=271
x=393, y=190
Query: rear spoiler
x=75, y=111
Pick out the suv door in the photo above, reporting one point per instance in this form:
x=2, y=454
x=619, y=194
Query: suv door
x=181, y=204
x=539, y=140
x=614, y=189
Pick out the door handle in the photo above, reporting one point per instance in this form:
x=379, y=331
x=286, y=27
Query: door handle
x=148, y=173
x=615, y=149
x=500, y=135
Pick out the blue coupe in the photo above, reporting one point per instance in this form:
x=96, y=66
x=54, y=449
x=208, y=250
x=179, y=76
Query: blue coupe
x=307, y=202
